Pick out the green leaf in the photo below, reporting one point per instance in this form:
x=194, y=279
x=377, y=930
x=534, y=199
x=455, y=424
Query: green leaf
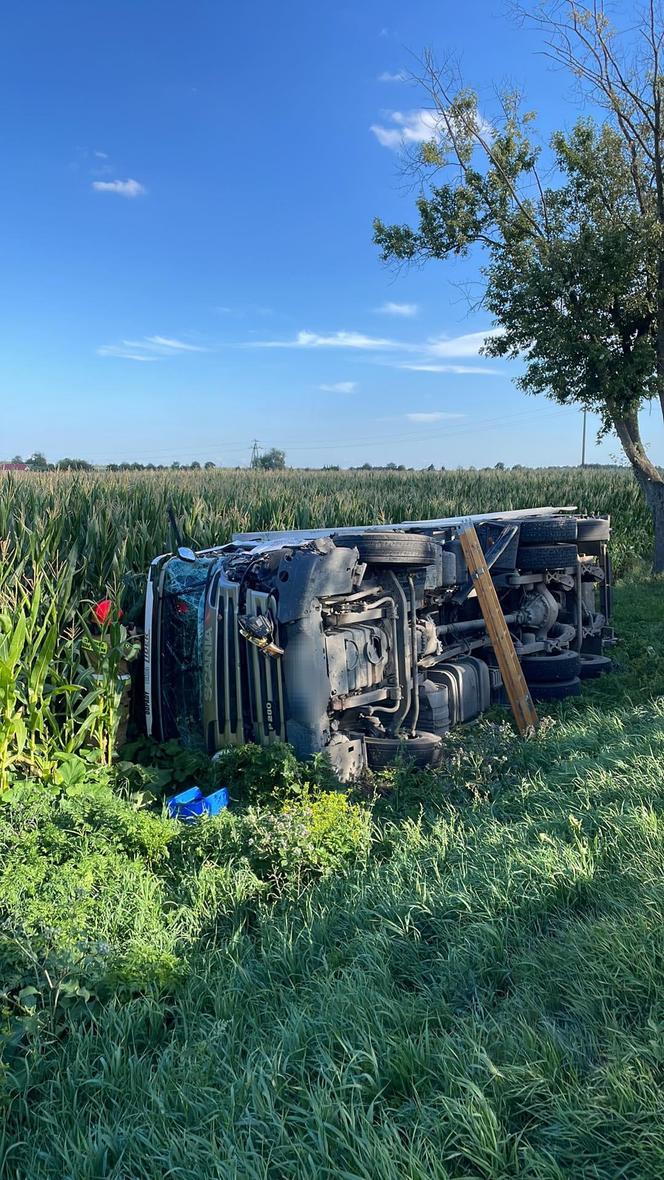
x=28, y=996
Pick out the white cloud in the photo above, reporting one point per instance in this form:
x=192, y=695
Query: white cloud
x=118, y=350
x=418, y=126
x=149, y=348
x=431, y=416
x=425, y=368
x=336, y=340
x=386, y=76
x=461, y=346
x=429, y=357
x=123, y=188
x=167, y=342
x=400, y=309
x=409, y=127
x=339, y=387
x=101, y=155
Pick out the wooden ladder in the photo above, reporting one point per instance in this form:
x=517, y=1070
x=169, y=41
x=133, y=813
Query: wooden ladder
x=501, y=640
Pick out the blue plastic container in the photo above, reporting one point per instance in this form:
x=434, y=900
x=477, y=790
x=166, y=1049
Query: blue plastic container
x=192, y=804
x=183, y=806
x=216, y=802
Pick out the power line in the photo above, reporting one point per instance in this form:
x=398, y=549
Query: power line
x=407, y=436
x=477, y=425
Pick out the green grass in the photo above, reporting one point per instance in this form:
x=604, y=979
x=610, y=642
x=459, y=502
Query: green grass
x=479, y=994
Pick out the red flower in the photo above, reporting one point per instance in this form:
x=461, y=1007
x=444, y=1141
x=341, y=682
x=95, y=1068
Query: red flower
x=102, y=611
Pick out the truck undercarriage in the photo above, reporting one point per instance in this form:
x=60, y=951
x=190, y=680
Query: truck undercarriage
x=368, y=643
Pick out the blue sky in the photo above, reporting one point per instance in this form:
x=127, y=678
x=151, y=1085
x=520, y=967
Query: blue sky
x=188, y=265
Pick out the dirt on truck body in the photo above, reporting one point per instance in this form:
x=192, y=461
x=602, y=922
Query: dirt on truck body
x=368, y=643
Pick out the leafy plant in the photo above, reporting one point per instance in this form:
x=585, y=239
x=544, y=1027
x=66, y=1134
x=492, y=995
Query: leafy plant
x=311, y=837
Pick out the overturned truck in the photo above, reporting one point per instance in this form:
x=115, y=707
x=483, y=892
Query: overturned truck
x=368, y=643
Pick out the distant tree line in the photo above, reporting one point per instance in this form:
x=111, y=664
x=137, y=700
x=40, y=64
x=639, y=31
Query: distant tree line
x=39, y=462
x=194, y=466
x=272, y=460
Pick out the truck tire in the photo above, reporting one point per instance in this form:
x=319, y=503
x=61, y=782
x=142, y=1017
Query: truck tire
x=595, y=528
x=565, y=665
x=532, y=558
x=548, y=528
x=594, y=666
x=556, y=690
x=422, y=750
x=390, y=548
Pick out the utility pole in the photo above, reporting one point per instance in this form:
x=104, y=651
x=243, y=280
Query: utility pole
x=583, y=441
x=255, y=452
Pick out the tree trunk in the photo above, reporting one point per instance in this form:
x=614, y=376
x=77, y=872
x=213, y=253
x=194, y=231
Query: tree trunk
x=656, y=497
x=653, y=493
x=649, y=479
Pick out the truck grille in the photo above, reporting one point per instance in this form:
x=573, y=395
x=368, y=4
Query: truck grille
x=222, y=674
x=266, y=696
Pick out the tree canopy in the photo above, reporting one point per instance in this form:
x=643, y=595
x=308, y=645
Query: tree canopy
x=272, y=460
x=572, y=243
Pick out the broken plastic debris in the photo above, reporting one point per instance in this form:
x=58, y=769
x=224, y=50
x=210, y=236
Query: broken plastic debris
x=190, y=805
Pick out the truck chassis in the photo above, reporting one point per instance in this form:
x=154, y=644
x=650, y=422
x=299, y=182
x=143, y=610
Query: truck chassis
x=368, y=644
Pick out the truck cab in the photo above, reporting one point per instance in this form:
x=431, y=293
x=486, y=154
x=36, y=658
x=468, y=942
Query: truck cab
x=368, y=643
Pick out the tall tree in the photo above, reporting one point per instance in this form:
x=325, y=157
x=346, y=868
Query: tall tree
x=37, y=461
x=272, y=460
x=574, y=266
x=68, y=464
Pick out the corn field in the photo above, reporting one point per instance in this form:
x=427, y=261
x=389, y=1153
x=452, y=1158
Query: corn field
x=68, y=540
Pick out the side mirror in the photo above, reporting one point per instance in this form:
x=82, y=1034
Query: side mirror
x=186, y=554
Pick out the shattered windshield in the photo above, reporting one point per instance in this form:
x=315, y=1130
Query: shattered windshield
x=181, y=670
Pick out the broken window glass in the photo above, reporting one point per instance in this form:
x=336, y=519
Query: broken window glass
x=181, y=650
